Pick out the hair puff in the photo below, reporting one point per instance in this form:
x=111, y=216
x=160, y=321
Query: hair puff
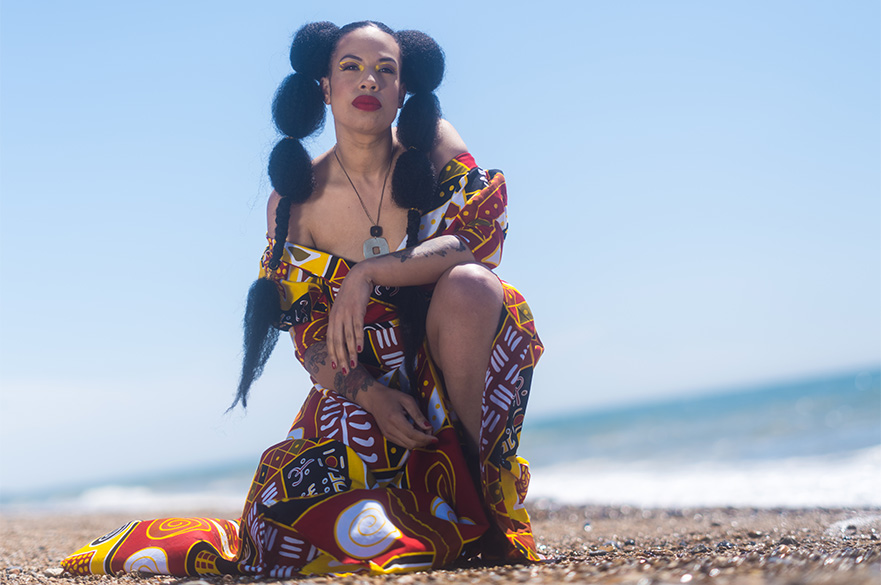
x=311, y=48
x=290, y=170
x=298, y=107
x=417, y=121
x=413, y=182
x=423, y=61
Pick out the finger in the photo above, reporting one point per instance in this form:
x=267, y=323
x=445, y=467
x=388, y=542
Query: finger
x=406, y=435
x=412, y=409
x=332, y=346
x=418, y=439
x=351, y=345
x=339, y=346
x=415, y=441
x=357, y=336
x=359, y=339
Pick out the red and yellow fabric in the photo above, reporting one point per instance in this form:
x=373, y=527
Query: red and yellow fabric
x=335, y=496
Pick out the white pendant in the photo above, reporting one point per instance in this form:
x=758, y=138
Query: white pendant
x=375, y=247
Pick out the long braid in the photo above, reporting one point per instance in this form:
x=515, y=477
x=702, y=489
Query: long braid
x=414, y=182
x=298, y=111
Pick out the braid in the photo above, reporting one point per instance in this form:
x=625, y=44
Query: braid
x=298, y=111
x=414, y=182
x=412, y=303
x=413, y=219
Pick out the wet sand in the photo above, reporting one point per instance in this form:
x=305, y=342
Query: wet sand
x=593, y=544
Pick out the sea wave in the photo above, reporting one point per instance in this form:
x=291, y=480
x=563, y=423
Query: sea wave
x=828, y=481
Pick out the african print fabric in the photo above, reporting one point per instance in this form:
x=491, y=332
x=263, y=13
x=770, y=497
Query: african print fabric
x=335, y=496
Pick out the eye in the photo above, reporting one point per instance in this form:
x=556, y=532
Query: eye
x=350, y=66
x=387, y=69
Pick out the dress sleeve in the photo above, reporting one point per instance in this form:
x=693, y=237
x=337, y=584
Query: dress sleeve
x=304, y=301
x=303, y=295
x=307, y=280
x=474, y=209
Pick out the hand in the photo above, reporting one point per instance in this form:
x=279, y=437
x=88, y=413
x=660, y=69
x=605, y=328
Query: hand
x=345, y=327
x=398, y=417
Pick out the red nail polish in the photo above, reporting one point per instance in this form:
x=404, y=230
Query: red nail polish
x=359, y=349
x=345, y=372
x=333, y=365
x=352, y=363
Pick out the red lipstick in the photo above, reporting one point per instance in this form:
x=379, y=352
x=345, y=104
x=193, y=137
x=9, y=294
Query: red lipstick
x=367, y=103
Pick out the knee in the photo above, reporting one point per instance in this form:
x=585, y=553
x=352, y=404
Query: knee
x=469, y=286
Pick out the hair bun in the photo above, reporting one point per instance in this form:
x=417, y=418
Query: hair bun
x=423, y=61
x=310, y=50
x=417, y=122
x=290, y=170
x=298, y=107
x=413, y=182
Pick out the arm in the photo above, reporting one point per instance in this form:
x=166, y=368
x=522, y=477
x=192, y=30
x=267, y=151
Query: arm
x=422, y=264
x=475, y=234
x=397, y=414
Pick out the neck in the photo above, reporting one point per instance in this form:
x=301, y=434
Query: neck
x=365, y=155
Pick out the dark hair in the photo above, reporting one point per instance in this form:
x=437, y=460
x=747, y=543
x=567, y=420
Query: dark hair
x=298, y=110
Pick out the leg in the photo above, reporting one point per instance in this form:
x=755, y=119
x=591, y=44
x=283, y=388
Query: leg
x=460, y=327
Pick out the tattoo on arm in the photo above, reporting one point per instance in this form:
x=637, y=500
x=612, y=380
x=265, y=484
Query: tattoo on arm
x=411, y=253
x=316, y=356
x=358, y=380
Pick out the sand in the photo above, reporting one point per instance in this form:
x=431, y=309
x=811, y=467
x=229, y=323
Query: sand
x=594, y=544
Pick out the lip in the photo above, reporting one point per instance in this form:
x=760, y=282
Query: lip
x=368, y=103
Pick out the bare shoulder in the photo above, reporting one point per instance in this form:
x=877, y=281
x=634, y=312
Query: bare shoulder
x=449, y=145
x=299, y=230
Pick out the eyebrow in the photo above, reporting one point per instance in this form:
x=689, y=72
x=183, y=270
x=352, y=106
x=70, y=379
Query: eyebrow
x=357, y=58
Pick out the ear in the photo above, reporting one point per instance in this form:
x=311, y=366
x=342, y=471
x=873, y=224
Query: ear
x=325, y=89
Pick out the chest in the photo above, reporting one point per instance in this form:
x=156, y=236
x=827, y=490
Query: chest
x=340, y=221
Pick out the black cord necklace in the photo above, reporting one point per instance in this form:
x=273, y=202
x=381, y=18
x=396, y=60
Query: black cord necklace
x=375, y=245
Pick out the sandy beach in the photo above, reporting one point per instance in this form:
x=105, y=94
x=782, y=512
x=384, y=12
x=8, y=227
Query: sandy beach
x=602, y=545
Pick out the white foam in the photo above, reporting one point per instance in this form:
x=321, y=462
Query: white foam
x=118, y=498
x=797, y=482
x=135, y=499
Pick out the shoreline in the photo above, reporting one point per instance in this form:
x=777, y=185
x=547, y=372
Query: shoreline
x=583, y=544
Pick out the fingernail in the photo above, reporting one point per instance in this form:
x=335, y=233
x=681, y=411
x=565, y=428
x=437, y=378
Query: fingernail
x=345, y=372
x=359, y=349
x=352, y=363
x=426, y=424
x=333, y=365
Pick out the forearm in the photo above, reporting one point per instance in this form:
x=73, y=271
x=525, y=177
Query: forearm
x=355, y=384
x=396, y=413
x=422, y=264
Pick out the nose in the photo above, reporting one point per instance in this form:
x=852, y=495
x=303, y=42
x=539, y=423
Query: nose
x=369, y=81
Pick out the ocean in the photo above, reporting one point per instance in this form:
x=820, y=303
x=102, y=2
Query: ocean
x=814, y=442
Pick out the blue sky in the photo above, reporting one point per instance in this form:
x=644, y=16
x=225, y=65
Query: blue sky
x=694, y=206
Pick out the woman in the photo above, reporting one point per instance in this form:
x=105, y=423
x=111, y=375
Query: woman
x=403, y=456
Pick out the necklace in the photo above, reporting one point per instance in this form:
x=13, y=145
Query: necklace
x=375, y=245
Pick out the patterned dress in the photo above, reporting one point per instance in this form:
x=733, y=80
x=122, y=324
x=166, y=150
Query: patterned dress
x=335, y=496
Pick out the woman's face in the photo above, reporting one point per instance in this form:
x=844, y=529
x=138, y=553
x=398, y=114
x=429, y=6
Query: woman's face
x=364, y=87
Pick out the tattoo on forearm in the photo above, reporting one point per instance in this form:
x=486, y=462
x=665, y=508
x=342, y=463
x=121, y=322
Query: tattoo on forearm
x=349, y=385
x=442, y=251
x=316, y=356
